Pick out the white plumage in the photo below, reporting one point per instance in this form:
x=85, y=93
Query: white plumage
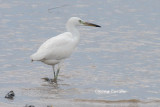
x=60, y=47
x=55, y=49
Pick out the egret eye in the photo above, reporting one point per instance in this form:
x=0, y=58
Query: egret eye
x=80, y=21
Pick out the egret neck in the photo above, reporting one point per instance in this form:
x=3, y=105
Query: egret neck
x=73, y=29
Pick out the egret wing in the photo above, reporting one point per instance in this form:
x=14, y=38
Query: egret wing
x=58, y=47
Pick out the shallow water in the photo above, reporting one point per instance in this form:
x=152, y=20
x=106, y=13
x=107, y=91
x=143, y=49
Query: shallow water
x=116, y=65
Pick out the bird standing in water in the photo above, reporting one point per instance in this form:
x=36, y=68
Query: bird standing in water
x=60, y=47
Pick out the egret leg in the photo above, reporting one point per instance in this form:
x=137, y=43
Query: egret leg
x=54, y=71
x=57, y=72
x=59, y=66
x=56, y=76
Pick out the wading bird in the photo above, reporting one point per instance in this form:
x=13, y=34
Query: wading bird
x=60, y=47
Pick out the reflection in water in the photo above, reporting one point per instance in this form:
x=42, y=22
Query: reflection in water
x=123, y=54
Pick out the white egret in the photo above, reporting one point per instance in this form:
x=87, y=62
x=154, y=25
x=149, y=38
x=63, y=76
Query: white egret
x=60, y=47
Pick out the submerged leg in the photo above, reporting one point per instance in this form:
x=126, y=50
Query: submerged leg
x=56, y=75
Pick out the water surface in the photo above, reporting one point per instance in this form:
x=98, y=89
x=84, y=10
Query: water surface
x=122, y=55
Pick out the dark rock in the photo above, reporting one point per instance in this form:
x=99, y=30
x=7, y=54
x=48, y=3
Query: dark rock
x=10, y=95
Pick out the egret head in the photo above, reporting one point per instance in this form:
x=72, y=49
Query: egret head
x=75, y=21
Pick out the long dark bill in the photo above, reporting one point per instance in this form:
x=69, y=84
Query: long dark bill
x=90, y=24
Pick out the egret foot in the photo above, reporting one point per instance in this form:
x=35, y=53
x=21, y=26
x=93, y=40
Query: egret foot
x=46, y=79
x=50, y=81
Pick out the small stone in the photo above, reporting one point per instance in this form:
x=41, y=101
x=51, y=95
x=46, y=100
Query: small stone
x=10, y=95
